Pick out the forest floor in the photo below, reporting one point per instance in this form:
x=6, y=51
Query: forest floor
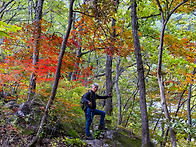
x=19, y=125
x=106, y=138
x=10, y=137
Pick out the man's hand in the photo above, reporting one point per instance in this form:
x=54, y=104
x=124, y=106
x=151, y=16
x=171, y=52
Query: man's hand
x=90, y=104
x=110, y=94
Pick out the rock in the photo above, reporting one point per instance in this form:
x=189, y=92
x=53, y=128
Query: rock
x=115, y=138
x=12, y=105
x=96, y=143
x=24, y=109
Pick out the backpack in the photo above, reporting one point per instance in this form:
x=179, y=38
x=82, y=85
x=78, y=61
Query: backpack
x=84, y=105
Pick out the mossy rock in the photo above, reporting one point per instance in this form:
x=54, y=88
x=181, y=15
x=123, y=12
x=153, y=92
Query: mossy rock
x=126, y=141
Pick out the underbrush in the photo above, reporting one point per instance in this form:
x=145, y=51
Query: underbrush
x=65, y=121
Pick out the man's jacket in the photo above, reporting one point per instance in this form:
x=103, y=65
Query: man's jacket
x=91, y=96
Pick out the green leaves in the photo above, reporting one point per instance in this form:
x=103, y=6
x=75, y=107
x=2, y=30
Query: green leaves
x=6, y=28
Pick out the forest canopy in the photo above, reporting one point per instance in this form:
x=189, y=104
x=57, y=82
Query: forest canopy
x=142, y=51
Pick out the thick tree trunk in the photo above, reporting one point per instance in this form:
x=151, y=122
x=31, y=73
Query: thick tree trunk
x=38, y=17
x=108, y=72
x=109, y=85
x=57, y=76
x=145, y=128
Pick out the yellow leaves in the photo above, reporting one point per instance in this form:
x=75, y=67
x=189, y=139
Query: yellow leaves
x=188, y=7
x=189, y=80
x=6, y=28
x=167, y=5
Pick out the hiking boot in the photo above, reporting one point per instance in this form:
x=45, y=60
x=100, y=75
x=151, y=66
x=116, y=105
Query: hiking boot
x=90, y=137
x=101, y=127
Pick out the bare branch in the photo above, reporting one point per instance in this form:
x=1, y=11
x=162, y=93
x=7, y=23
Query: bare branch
x=160, y=9
x=153, y=15
x=193, y=107
x=193, y=13
x=5, y=6
x=179, y=102
x=83, y=13
x=172, y=11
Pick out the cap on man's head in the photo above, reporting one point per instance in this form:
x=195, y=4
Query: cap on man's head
x=95, y=84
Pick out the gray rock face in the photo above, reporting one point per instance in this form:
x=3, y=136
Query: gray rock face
x=115, y=138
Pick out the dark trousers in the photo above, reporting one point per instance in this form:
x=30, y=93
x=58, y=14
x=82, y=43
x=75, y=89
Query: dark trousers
x=89, y=118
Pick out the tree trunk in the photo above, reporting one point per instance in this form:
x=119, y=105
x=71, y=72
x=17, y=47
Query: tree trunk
x=108, y=72
x=118, y=91
x=145, y=128
x=108, y=104
x=78, y=52
x=38, y=17
x=57, y=75
x=162, y=90
x=189, y=104
x=30, y=11
x=165, y=19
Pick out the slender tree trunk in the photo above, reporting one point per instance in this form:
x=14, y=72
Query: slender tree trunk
x=78, y=53
x=165, y=20
x=118, y=91
x=57, y=75
x=38, y=17
x=145, y=128
x=189, y=110
x=189, y=104
x=30, y=8
x=162, y=90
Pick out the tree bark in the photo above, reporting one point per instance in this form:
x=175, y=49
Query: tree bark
x=189, y=104
x=162, y=91
x=57, y=75
x=109, y=85
x=108, y=72
x=30, y=11
x=118, y=91
x=145, y=128
x=165, y=20
x=38, y=17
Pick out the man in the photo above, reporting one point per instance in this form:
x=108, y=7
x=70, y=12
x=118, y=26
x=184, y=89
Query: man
x=90, y=98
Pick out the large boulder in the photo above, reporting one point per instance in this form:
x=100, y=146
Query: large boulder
x=115, y=138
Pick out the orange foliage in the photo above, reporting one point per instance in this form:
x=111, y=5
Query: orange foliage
x=19, y=51
x=185, y=49
x=181, y=47
x=98, y=37
x=94, y=32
